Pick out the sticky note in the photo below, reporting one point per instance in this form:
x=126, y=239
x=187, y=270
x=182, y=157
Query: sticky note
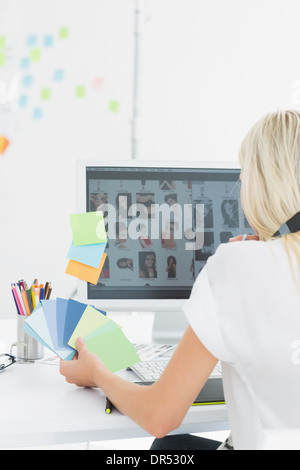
x=114, y=106
x=4, y=143
x=28, y=80
x=25, y=62
x=48, y=41
x=23, y=101
x=64, y=32
x=37, y=113
x=88, y=228
x=2, y=59
x=59, y=75
x=84, y=272
x=90, y=320
x=46, y=94
x=80, y=91
x=35, y=54
x=91, y=255
x=113, y=348
x=98, y=82
x=32, y=40
x=2, y=42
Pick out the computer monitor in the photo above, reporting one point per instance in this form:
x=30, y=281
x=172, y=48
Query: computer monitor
x=163, y=221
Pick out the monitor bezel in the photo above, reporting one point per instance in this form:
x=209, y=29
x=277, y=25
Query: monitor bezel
x=135, y=305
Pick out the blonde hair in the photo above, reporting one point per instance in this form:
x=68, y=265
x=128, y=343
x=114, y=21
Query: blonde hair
x=270, y=163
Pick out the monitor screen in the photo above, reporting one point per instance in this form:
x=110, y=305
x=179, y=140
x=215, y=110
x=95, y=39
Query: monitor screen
x=163, y=223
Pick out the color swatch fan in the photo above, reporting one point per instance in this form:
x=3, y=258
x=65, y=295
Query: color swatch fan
x=58, y=323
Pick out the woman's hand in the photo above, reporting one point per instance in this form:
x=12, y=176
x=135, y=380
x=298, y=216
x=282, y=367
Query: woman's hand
x=83, y=369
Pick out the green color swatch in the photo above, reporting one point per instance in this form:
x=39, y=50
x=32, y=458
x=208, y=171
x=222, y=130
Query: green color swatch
x=91, y=320
x=113, y=348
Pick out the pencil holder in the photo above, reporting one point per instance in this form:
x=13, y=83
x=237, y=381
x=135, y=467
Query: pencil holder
x=28, y=349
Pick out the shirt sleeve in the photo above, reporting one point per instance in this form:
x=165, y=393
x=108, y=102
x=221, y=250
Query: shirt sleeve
x=202, y=316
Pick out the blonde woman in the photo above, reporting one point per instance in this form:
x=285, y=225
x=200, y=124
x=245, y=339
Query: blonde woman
x=244, y=309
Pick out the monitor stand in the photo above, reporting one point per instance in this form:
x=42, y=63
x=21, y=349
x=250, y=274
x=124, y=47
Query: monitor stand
x=169, y=327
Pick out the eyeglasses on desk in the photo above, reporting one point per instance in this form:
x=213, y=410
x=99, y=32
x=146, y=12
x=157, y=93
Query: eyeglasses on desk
x=6, y=360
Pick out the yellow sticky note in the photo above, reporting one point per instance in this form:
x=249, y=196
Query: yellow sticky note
x=84, y=272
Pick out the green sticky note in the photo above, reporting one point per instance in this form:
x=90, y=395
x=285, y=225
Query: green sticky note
x=35, y=54
x=90, y=320
x=80, y=91
x=2, y=59
x=114, y=349
x=2, y=42
x=88, y=228
x=64, y=33
x=114, y=106
x=46, y=94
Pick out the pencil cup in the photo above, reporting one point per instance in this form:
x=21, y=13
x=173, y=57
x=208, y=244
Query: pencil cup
x=28, y=349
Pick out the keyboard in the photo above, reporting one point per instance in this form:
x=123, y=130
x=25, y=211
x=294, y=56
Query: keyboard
x=150, y=371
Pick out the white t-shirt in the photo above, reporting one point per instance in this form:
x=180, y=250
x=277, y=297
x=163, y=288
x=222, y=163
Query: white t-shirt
x=245, y=309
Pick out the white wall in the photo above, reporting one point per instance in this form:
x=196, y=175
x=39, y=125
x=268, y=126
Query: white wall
x=210, y=69
x=37, y=173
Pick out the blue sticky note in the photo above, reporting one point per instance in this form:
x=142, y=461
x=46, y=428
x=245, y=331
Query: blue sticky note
x=37, y=113
x=59, y=75
x=90, y=255
x=23, y=101
x=25, y=62
x=48, y=41
x=32, y=40
x=28, y=80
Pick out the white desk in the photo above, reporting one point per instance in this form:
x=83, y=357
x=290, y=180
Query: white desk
x=39, y=408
